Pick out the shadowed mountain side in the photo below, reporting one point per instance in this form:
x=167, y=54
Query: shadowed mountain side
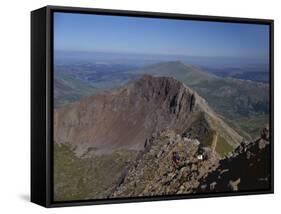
x=126, y=117
x=247, y=168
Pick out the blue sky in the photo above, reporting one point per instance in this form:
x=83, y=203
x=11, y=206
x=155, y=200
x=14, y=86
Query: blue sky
x=85, y=32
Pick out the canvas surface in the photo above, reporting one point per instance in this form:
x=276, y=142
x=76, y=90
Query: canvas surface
x=158, y=107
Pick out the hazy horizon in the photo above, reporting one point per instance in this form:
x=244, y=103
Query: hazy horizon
x=141, y=59
x=154, y=36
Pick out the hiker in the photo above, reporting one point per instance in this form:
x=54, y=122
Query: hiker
x=176, y=158
x=200, y=150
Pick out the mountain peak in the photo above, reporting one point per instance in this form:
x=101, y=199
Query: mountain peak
x=183, y=72
x=125, y=118
x=167, y=64
x=165, y=91
x=160, y=84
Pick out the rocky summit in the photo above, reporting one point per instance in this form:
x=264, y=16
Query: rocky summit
x=197, y=170
x=156, y=173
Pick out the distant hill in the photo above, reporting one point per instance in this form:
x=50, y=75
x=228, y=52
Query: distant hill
x=68, y=89
x=75, y=81
x=187, y=74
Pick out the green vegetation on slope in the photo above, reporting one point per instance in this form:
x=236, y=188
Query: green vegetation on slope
x=239, y=129
x=253, y=125
x=69, y=89
x=235, y=98
x=223, y=148
x=208, y=139
x=90, y=177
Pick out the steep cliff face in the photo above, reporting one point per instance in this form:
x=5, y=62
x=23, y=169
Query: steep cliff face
x=126, y=117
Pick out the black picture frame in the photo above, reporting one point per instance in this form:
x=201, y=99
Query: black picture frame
x=42, y=103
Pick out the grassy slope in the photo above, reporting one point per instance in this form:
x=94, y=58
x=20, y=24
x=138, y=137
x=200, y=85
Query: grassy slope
x=253, y=125
x=84, y=178
x=68, y=89
x=206, y=129
x=239, y=129
x=223, y=148
x=235, y=98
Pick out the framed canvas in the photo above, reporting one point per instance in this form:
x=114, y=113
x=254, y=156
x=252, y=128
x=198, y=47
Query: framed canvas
x=131, y=106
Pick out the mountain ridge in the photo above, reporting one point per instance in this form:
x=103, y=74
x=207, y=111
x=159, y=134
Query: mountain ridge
x=126, y=117
x=155, y=173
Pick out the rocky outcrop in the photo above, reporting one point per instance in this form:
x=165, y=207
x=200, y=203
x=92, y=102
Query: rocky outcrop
x=126, y=117
x=155, y=173
x=198, y=168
